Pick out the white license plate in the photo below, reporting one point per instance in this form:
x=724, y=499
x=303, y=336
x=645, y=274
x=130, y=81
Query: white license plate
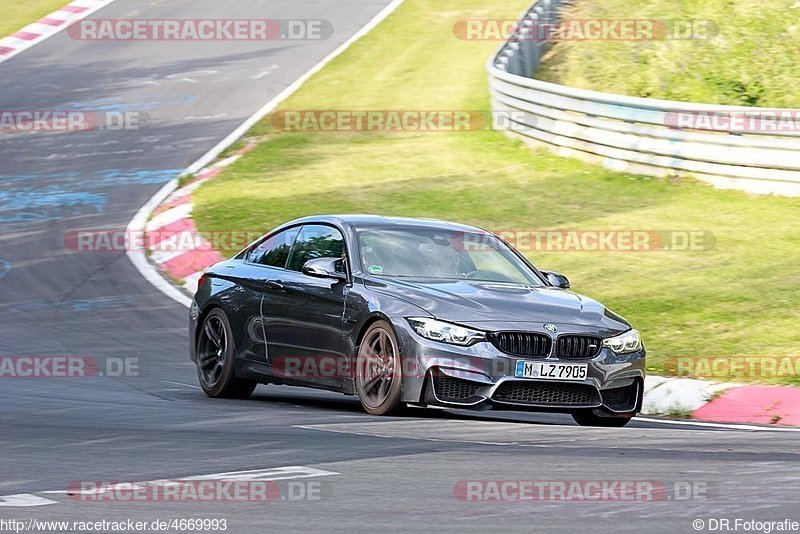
x=551, y=371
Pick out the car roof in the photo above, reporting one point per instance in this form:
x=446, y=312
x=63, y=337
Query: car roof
x=361, y=220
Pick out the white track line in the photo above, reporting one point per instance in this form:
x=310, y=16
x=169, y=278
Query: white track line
x=283, y=95
x=730, y=426
x=139, y=258
x=139, y=221
x=180, y=384
x=49, y=32
x=24, y=500
x=274, y=474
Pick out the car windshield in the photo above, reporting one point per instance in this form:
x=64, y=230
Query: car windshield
x=441, y=254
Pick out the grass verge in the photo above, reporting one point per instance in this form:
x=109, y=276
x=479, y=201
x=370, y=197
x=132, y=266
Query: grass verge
x=19, y=13
x=742, y=53
x=738, y=298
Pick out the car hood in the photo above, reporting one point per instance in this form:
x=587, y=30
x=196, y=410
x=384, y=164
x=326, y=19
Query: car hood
x=496, y=306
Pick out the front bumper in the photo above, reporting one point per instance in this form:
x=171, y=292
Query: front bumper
x=482, y=377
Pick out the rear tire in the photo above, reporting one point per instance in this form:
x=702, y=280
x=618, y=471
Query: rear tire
x=378, y=373
x=589, y=418
x=215, y=354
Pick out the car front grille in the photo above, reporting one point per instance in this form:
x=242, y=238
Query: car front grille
x=578, y=347
x=522, y=343
x=621, y=399
x=547, y=394
x=452, y=389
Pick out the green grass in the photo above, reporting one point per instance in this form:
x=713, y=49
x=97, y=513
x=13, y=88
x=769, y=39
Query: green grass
x=739, y=298
x=678, y=412
x=17, y=14
x=753, y=61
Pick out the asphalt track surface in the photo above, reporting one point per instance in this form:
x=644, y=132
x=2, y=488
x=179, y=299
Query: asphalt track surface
x=379, y=473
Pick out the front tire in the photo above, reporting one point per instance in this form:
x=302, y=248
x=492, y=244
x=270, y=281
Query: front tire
x=378, y=373
x=215, y=353
x=589, y=418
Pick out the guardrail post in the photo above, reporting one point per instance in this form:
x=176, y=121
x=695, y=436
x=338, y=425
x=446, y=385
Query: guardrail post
x=515, y=63
x=527, y=46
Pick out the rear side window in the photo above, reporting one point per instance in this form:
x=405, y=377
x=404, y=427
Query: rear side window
x=316, y=241
x=274, y=251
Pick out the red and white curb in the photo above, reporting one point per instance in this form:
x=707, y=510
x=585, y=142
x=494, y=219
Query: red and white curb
x=173, y=242
x=44, y=28
x=722, y=402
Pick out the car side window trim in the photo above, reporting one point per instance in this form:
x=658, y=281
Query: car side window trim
x=348, y=272
x=294, y=244
x=261, y=241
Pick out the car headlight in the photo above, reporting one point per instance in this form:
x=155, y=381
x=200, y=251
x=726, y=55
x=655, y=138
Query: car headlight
x=625, y=343
x=445, y=332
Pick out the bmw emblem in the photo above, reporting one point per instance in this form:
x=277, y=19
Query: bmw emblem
x=551, y=328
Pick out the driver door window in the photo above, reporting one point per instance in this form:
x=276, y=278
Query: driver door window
x=274, y=251
x=316, y=241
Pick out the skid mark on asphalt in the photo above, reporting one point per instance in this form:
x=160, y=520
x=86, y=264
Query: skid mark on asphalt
x=78, y=194
x=99, y=179
x=78, y=306
x=272, y=474
x=32, y=205
x=143, y=103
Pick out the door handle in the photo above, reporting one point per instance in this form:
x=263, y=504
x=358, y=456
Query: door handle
x=272, y=284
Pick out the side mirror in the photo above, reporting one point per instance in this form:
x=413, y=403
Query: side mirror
x=557, y=279
x=325, y=268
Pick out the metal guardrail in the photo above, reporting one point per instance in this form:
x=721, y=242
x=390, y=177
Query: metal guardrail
x=640, y=135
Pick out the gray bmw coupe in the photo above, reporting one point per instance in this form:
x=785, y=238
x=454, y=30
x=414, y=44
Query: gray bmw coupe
x=411, y=311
